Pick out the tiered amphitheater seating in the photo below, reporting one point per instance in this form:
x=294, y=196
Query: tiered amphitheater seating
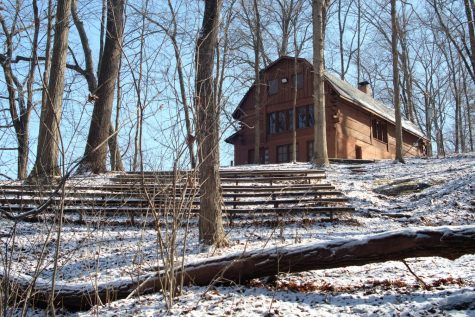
x=245, y=193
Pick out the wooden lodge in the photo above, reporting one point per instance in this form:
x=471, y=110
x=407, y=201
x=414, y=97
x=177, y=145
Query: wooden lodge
x=358, y=126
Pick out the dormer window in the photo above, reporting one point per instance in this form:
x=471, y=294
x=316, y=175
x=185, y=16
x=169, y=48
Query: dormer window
x=273, y=86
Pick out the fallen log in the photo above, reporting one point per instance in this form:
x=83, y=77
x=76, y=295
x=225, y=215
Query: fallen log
x=446, y=242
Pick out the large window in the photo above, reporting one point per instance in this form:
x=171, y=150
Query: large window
x=250, y=156
x=272, y=123
x=265, y=156
x=273, y=87
x=299, y=81
x=284, y=153
x=310, y=154
x=305, y=117
x=280, y=121
x=380, y=130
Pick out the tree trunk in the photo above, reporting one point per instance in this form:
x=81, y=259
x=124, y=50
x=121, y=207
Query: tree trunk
x=320, y=130
x=95, y=154
x=468, y=115
x=358, y=50
x=102, y=34
x=471, y=30
x=137, y=162
x=294, y=102
x=410, y=111
x=428, y=123
x=46, y=164
x=116, y=158
x=211, y=230
x=238, y=268
x=397, y=105
x=257, y=94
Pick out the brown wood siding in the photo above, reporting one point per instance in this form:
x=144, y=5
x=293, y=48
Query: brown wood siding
x=348, y=125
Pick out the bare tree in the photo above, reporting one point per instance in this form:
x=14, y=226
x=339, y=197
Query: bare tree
x=20, y=107
x=257, y=92
x=96, y=148
x=211, y=230
x=320, y=129
x=89, y=75
x=46, y=164
x=397, y=106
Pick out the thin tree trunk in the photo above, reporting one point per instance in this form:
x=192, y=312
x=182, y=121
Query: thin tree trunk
x=211, y=230
x=397, y=105
x=358, y=51
x=96, y=148
x=294, y=98
x=19, y=109
x=468, y=115
x=137, y=158
x=24, y=144
x=428, y=123
x=320, y=130
x=471, y=31
x=257, y=93
x=116, y=158
x=469, y=66
x=46, y=164
x=407, y=73
x=172, y=34
x=341, y=31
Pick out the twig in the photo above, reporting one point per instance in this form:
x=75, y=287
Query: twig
x=424, y=285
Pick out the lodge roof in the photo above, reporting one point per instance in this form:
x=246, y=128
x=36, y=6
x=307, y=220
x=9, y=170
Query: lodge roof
x=357, y=97
x=348, y=92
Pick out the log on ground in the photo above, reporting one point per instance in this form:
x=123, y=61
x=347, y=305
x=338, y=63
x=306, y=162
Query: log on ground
x=447, y=242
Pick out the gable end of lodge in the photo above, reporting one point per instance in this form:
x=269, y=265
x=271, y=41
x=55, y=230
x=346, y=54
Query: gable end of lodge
x=358, y=126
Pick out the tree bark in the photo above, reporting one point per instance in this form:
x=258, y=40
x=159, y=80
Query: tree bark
x=46, y=164
x=468, y=114
x=96, y=148
x=446, y=242
x=397, y=105
x=320, y=130
x=211, y=230
x=471, y=30
x=257, y=92
x=20, y=109
x=428, y=123
x=116, y=159
x=405, y=62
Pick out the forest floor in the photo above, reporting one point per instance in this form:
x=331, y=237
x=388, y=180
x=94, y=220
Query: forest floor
x=387, y=196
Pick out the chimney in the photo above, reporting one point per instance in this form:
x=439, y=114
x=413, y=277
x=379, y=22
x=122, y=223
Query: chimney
x=365, y=87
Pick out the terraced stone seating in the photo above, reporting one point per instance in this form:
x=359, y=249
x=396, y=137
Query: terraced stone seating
x=262, y=193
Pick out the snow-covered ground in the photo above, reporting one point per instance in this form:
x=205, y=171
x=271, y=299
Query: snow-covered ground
x=99, y=253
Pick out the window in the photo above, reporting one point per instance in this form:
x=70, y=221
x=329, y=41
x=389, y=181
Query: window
x=310, y=151
x=272, y=123
x=305, y=117
x=280, y=121
x=273, y=86
x=250, y=156
x=311, y=117
x=291, y=120
x=283, y=153
x=301, y=118
x=299, y=81
x=380, y=130
x=264, y=156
